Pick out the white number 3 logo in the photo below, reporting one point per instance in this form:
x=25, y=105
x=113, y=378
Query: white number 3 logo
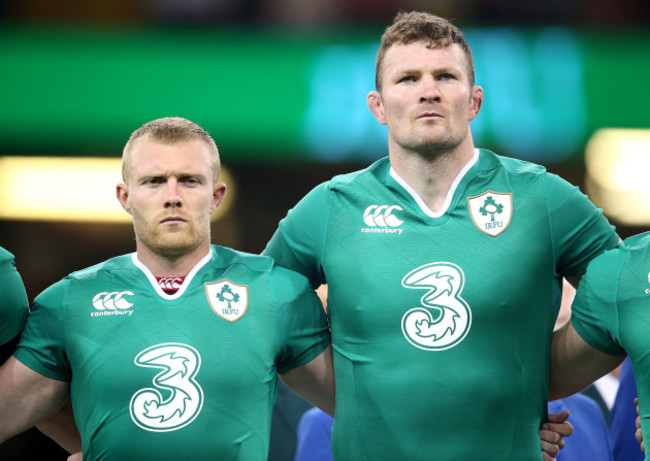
x=180, y=364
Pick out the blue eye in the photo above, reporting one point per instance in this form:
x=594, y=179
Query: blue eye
x=407, y=79
x=190, y=180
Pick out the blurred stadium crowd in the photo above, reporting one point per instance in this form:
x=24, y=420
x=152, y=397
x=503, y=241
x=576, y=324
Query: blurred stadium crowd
x=327, y=13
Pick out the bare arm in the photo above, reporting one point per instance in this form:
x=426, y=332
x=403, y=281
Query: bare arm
x=61, y=428
x=575, y=364
x=26, y=397
x=314, y=381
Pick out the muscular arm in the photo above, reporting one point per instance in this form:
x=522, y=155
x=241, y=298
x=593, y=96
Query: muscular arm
x=61, y=428
x=314, y=381
x=26, y=398
x=575, y=364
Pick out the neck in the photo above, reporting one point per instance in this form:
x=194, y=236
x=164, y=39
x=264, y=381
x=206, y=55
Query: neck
x=171, y=265
x=430, y=174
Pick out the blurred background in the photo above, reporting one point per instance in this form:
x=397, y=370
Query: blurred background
x=281, y=86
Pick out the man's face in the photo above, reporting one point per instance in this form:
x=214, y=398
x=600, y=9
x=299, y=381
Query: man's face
x=171, y=194
x=426, y=99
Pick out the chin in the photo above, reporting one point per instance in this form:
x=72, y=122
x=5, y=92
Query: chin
x=175, y=245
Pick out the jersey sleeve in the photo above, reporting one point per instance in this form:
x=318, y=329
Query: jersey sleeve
x=14, y=306
x=298, y=242
x=595, y=309
x=579, y=230
x=42, y=346
x=301, y=323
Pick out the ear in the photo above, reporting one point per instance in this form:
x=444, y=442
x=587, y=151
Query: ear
x=218, y=193
x=476, y=102
x=376, y=106
x=122, y=193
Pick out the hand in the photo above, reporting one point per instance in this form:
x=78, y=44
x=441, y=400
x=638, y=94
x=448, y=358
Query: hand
x=639, y=434
x=75, y=457
x=552, y=434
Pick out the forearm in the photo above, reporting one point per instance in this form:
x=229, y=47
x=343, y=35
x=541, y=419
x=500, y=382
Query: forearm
x=315, y=381
x=574, y=364
x=61, y=428
x=26, y=398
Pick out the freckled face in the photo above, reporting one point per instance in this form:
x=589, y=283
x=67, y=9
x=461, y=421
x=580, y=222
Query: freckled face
x=171, y=194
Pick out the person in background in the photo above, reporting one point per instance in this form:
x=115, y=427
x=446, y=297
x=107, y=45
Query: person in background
x=609, y=320
x=14, y=306
x=622, y=418
x=444, y=265
x=590, y=438
x=162, y=375
x=14, y=311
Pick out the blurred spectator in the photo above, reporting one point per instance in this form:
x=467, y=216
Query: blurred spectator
x=328, y=13
x=622, y=419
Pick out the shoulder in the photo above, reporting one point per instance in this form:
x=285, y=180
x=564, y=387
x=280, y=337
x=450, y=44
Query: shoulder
x=522, y=170
x=631, y=250
x=224, y=256
x=312, y=208
x=84, y=278
x=6, y=262
x=6, y=257
x=510, y=165
x=283, y=279
x=639, y=243
x=378, y=171
x=123, y=262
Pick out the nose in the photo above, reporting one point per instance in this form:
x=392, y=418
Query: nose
x=430, y=90
x=173, y=198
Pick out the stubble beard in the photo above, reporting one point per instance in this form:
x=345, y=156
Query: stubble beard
x=431, y=148
x=172, y=241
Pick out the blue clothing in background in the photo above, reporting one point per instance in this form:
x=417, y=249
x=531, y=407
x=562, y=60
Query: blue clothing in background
x=589, y=442
x=314, y=436
x=590, y=439
x=622, y=425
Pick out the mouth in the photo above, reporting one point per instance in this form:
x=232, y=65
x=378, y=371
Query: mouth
x=172, y=220
x=429, y=116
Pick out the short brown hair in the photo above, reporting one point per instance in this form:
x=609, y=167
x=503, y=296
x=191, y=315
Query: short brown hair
x=416, y=26
x=170, y=130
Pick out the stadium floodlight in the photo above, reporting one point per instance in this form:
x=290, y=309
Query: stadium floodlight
x=618, y=167
x=69, y=189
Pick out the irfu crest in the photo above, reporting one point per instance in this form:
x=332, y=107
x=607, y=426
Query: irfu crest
x=491, y=212
x=228, y=300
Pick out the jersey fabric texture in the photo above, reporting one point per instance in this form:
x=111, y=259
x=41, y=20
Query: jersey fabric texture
x=184, y=376
x=589, y=440
x=611, y=313
x=441, y=322
x=14, y=306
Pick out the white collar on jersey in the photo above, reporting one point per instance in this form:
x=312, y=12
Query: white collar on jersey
x=186, y=282
x=450, y=193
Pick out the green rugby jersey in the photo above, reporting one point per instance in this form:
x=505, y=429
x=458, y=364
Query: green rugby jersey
x=184, y=376
x=14, y=307
x=611, y=311
x=441, y=322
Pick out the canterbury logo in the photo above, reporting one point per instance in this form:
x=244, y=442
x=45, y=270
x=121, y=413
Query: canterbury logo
x=170, y=283
x=382, y=216
x=112, y=300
